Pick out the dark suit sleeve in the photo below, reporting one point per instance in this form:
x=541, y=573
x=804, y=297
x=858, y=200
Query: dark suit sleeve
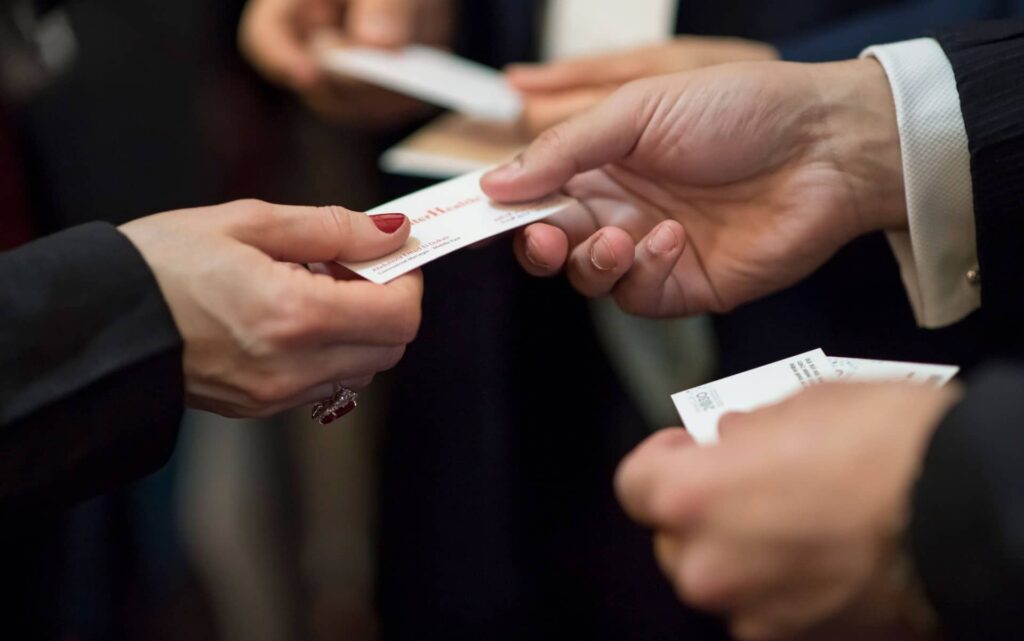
x=967, y=525
x=890, y=22
x=91, y=388
x=988, y=61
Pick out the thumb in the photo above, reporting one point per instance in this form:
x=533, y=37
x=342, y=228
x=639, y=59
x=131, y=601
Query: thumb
x=381, y=23
x=599, y=136
x=319, y=234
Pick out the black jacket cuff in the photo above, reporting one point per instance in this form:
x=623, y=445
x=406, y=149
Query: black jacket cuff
x=967, y=526
x=91, y=383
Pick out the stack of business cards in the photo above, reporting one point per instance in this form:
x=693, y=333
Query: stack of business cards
x=701, y=407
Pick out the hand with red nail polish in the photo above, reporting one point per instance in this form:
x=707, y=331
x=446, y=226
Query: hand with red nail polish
x=260, y=335
x=280, y=37
x=704, y=190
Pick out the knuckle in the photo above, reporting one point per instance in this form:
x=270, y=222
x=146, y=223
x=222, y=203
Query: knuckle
x=252, y=215
x=404, y=319
x=392, y=357
x=552, y=139
x=290, y=319
x=409, y=324
x=257, y=212
x=338, y=222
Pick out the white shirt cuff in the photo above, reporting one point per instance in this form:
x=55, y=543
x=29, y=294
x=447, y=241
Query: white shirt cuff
x=938, y=256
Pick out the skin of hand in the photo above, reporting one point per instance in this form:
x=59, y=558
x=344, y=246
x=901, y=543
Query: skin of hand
x=277, y=36
x=556, y=91
x=791, y=526
x=263, y=334
x=704, y=190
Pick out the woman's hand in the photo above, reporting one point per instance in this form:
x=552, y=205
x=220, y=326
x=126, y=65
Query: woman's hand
x=277, y=36
x=701, y=191
x=263, y=334
x=556, y=91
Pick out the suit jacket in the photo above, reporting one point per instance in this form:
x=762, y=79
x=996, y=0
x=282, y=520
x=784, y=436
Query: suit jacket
x=487, y=484
x=91, y=387
x=967, y=529
x=846, y=307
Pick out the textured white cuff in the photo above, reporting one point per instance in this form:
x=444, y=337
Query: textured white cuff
x=938, y=256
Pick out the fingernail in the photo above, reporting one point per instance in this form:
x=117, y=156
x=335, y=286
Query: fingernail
x=663, y=241
x=531, y=254
x=388, y=223
x=601, y=255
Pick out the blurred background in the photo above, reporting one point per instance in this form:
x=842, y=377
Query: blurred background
x=470, y=496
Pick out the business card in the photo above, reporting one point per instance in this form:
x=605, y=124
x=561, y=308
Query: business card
x=864, y=369
x=702, y=406
x=447, y=217
x=431, y=75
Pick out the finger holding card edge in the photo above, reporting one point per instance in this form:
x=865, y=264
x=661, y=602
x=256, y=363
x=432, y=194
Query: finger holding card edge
x=541, y=249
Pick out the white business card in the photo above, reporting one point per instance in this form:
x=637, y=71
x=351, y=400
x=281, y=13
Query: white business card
x=863, y=369
x=431, y=75
x=447, y=217
x=702, y=406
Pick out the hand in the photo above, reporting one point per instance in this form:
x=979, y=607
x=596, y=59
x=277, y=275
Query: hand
x=556, y=91
x=277, y=36
x=261, y=333
x=794, y=520
x=702, y=191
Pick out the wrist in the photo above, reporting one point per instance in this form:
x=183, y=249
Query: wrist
x=863, y=134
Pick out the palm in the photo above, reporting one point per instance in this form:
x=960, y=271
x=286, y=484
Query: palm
x=757, y=202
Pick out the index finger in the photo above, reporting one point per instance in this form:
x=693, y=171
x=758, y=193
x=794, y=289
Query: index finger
x=602, y=135
x=361, y=312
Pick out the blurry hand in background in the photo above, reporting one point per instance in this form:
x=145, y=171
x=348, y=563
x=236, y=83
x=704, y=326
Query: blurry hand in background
x=704, y=190
x=277, y=36
x=556, y=91
x=263, y=334
x=793, y=524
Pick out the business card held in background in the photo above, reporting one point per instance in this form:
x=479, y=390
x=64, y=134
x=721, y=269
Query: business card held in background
x=431, y=75
x=700, y=408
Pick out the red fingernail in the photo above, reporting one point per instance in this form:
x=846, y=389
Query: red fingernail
x=388, y=223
